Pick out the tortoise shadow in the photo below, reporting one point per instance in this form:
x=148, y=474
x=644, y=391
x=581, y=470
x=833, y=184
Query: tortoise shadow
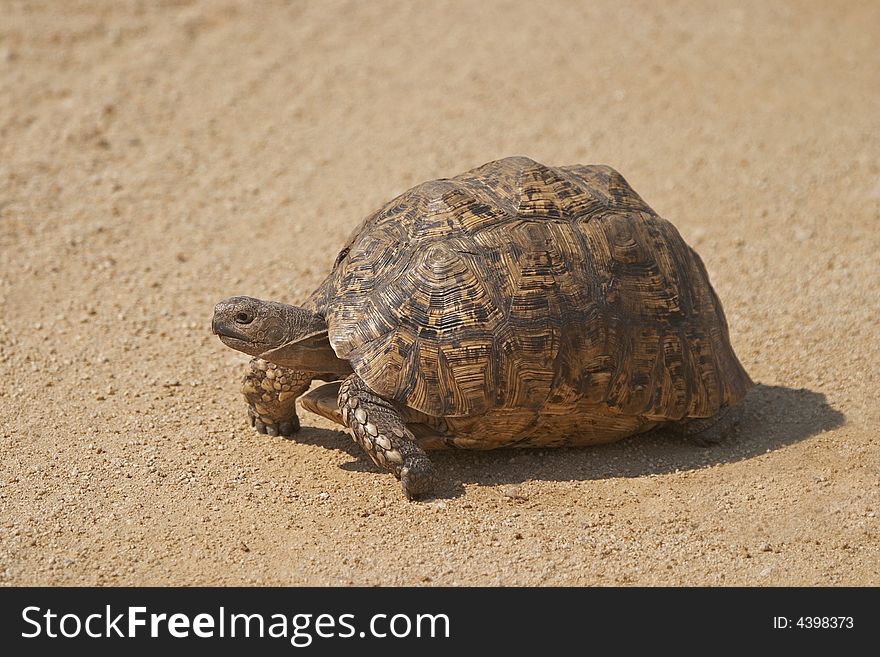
x=773, y=417
x=333, y=439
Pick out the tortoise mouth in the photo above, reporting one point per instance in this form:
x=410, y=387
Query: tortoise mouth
x=232, y=337
x=224, y=330
x=248, y=346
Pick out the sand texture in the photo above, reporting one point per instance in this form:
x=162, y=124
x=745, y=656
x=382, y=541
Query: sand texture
x=156, y=157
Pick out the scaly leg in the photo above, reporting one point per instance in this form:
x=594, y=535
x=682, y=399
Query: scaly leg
x=380, y=430
x=709, y=431
x=271, y=392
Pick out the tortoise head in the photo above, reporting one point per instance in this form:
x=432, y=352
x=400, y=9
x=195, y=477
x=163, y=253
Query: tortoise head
x=286, y=335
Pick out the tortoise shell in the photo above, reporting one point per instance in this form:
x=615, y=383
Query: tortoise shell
x=545, y=290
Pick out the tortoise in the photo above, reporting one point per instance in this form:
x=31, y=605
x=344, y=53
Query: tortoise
x=514, y=305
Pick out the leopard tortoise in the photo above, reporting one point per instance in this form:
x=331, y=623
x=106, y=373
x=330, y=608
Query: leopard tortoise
x=515, y=305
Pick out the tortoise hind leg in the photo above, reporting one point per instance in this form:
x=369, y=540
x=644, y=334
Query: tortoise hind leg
x=324, y=401
x=379, y=428
x=708, y=431
x=271, y=392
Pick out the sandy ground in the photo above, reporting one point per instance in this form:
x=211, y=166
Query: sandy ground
x=157, y=157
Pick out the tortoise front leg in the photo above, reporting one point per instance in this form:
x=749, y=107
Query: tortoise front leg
x=271, y=392
x=380, y=430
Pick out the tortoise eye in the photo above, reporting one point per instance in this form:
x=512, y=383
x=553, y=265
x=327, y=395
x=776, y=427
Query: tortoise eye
x=243, y=317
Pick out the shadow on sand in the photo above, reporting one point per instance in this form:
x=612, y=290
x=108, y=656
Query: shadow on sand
x=773, y=417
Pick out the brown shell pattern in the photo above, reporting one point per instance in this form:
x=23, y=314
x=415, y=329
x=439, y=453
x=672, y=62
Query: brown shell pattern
x=521, y=286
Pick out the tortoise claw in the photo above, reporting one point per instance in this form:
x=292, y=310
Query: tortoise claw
x=284, y=428
x=416, y=481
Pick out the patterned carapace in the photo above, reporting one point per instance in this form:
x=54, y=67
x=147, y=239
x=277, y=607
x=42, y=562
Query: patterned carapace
x=530, y=305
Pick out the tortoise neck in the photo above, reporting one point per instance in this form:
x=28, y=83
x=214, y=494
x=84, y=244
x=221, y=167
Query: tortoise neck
x=311, y=354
